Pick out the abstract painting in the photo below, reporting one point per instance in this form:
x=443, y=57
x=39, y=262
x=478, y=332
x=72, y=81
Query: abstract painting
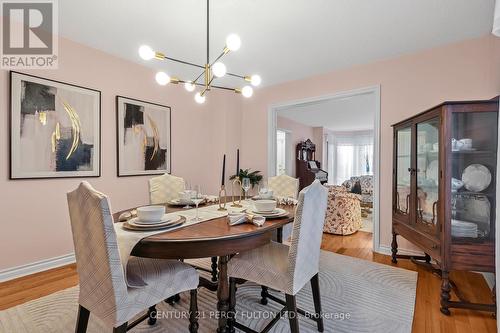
x=55, y=129
x=144, y=137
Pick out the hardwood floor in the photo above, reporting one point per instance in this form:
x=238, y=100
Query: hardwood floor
x=427, y=318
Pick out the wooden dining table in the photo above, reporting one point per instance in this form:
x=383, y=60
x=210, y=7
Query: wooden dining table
x=213, y=238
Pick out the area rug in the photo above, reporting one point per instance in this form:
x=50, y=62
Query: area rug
x=357, y=296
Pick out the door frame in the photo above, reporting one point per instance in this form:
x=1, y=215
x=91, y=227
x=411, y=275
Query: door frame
x=272, y=120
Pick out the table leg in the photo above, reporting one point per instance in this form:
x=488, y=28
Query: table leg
x=223, y=294
x=279, y=235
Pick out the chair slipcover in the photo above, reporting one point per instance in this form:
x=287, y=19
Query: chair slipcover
x=165, y=188
x=103, y=290
x=284, y=186
x=282, y=267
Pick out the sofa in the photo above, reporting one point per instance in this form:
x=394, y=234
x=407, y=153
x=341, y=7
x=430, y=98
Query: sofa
x=366, y=188
x=343, y=212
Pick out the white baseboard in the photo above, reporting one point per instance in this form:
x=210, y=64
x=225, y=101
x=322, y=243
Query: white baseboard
x=35, y=267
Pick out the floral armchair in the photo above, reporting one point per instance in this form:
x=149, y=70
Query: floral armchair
x=343, y=213
x=366, y=187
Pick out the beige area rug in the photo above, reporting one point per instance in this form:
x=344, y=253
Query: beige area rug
x=357, y=296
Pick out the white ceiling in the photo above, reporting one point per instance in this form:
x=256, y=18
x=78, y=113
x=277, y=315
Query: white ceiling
x=341, y=114
x=281, y=39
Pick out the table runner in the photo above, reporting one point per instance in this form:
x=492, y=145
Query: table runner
x=127, y=239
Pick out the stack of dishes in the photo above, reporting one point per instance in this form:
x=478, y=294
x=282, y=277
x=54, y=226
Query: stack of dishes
x=463, y=229
x=268, y=209
x=152, y=218
x=273, y=214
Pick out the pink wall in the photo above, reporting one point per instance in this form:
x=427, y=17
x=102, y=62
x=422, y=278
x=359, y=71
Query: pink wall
x=35, y=222
x=299, y=132
x=409, y=84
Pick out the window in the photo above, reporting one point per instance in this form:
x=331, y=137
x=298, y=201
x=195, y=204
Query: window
x=353, y=155
x=281, y=150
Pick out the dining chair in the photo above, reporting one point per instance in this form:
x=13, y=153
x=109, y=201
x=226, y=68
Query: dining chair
x=284, y=186
x=165, y=188
x=103, y=288
x=286, y=268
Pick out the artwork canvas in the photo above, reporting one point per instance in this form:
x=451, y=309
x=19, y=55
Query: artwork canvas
x=144, y=137
x=55, y=129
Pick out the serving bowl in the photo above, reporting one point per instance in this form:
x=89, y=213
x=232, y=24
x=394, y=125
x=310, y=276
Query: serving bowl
x=265, y=205
x=150, y=213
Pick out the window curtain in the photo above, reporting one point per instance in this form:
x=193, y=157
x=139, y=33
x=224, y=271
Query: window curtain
x=353, y=155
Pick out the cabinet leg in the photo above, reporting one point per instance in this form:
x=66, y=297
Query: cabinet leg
x=394, y=248
x=445, y=292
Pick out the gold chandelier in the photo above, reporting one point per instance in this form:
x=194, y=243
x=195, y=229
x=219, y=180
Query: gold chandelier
x=210, y=71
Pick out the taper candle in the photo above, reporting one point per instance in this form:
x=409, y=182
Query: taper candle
x=237, y=162
x=223, y=169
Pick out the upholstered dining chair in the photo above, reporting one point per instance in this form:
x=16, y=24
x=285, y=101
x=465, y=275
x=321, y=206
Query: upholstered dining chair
x=103, y=289
x=287, y=268
x=165, y=188
x=284, y=186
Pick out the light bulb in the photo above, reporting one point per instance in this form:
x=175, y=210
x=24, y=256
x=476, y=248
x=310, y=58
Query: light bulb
x=199, y=99
x=162, y=78
x=255, y=80
x=233, y=42
x=219, y=69
x=146, y=53
x=247, y=91
x=189, y=86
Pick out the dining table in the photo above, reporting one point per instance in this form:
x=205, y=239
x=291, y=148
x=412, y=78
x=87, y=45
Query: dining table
x=212, y=238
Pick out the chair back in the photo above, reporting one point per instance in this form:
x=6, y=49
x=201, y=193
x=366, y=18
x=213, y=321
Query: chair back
x=102, y=280
x=165, y=188
x=284, y=186
x=307, y=232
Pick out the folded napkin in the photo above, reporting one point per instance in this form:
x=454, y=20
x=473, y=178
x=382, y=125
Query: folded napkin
x=239, y=218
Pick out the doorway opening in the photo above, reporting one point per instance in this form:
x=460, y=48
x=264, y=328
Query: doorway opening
x=345, y=129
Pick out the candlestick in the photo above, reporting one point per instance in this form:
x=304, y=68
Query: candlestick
x=238, y=182
x=223, y=169
x=237, y=162
x=222, y=196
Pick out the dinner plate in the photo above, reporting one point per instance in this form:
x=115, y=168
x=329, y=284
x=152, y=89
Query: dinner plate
x=173, y=221
x=476, y=177
x=433, y=171
x=279, y=213
x=165, y=219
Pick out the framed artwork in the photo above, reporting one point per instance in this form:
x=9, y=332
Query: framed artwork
x=143, y=137
x=55, y=129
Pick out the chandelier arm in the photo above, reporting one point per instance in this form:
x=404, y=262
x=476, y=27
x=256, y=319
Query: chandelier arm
x=185, y=62
x=236, y=75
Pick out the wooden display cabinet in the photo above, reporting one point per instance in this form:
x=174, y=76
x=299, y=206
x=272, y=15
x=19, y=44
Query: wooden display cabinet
x=444, y=191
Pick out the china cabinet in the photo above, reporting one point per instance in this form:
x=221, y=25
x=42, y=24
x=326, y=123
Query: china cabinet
x=444, y=191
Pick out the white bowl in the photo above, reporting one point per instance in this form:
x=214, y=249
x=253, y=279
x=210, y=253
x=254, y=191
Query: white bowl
x=150, y=213
x=265, y=205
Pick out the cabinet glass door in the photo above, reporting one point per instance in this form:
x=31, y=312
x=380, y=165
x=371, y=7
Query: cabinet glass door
x=473, y=168
x=403, y=173
x=427, y=175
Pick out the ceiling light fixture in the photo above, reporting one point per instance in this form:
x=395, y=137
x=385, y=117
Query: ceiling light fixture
x=210, y=71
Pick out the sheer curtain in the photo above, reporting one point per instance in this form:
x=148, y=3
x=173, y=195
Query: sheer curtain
x=353, y=155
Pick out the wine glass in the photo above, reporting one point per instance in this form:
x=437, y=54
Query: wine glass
x=245, y=185
x=263, y=190
x=187, y=195
x=197, y=198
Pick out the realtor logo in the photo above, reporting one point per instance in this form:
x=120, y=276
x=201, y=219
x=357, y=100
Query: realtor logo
x=29, y=34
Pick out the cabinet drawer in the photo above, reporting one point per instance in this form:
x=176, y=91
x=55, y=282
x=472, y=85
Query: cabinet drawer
x=425, y=243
